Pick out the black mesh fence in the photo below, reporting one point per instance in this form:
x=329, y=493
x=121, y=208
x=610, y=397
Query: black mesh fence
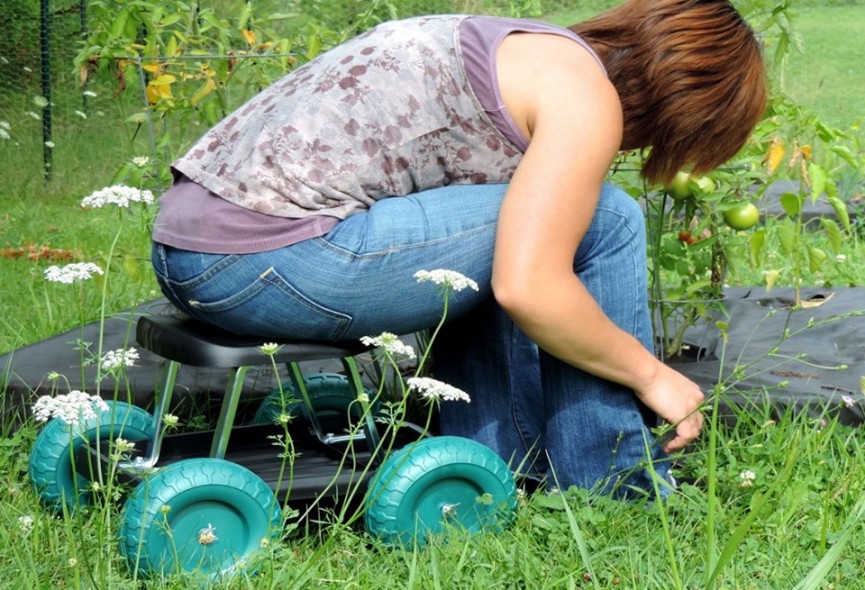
x=39, y=95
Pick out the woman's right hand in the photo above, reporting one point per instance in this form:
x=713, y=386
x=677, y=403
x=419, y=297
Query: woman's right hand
x=677, y=400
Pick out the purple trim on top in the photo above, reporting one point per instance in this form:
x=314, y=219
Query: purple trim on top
x=480, y=38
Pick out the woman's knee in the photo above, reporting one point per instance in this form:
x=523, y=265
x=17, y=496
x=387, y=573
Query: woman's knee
x=620, y=208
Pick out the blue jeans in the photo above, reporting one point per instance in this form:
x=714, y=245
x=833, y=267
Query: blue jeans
x=546, y=417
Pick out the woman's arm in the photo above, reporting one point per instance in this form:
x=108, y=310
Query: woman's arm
x=558, y=95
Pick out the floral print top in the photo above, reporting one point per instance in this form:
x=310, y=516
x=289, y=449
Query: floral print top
x=388, y=113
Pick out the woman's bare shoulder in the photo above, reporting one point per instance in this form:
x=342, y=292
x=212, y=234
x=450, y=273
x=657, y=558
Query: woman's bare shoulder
x=545, y=72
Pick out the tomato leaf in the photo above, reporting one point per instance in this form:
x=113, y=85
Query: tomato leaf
x=833, y=232
x=816, y=259
x=757, y=241
x=792, y=204
x=840, y=208
x=819, y=179
x=787, y=235
x=846, y=154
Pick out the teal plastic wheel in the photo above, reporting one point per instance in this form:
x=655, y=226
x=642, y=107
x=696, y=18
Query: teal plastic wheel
x=331, y=395
x=206, y=515
x=439, y=482
x=51, y=469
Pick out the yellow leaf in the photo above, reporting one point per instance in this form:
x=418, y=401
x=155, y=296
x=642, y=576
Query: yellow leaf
x=164, y=80
x=206, y=89
x=152, y=95
x=774, y=155
x=771, y=278
x=157, y=92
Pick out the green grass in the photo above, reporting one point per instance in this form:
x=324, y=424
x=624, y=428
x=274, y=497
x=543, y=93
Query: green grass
x=61, y=233
x=826, y=76
x=797, y=526
x=807, y=486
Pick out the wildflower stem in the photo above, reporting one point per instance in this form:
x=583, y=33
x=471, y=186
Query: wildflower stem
x=289, y=453
x=428, y=349
x=103, y=306
x=81, y=323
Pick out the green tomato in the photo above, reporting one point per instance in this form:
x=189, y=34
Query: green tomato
x=706, y=184
x=679, y=188
x=684, y=185
x=744, y=216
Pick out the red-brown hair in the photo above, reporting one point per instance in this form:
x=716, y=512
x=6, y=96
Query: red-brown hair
x=690, y=77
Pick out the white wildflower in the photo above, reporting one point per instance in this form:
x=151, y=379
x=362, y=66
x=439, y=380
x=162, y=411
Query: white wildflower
x=122, y=449
x=33, y=115
x=433, y=389
x=5, y=125
x=89, y=94
x=81, y=114
x=50, y=144
x=841, y=258
x=70, y=408
x=25, y=524
x=269, y=348
x=170, y=420
x=122, y=445
x=141, y=161
x=390, y=343
x=747, y=478
x=27, y=69
x=848, y=401
x=122, y=357
x=4, y=134
x=119, y=194
x=72, y=562
x=70, y=273
x=207, y=535
x=40, y=101
x=448, y=278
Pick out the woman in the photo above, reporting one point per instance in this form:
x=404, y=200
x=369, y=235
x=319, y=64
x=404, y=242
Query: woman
x=496, y=135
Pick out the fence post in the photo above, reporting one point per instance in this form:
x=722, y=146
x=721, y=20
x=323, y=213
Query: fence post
x=45, y=40
x=82, y=13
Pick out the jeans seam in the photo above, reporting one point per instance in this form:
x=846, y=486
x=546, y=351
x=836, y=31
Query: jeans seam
x=168, y=286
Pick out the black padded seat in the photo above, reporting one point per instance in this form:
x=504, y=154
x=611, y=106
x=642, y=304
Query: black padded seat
x=190, y=342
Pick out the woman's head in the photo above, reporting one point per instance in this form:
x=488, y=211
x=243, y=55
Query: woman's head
x=690, y=78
